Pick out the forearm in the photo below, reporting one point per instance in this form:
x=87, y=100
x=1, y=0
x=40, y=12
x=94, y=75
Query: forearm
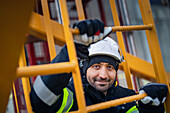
x=57, y=82
x=48, y=89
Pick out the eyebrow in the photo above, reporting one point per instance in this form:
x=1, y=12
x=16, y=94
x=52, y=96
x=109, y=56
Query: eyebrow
x=102, y=62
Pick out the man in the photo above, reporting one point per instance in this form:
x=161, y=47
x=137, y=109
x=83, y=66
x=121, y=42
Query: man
x=99, y=57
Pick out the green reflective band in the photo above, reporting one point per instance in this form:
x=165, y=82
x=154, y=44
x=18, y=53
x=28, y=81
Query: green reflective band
x=133, y=110
x=67, y=101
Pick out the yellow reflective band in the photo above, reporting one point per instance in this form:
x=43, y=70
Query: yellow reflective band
x=65, y=100
x=133, y=110
x=115, y=83
x=70, y=106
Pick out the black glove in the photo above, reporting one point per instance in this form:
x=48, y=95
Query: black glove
x=90, y=31
x=156, y=94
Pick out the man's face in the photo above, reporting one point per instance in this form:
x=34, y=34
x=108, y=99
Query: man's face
x=101, y=76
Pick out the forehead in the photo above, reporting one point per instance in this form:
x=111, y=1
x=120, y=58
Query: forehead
x=102, y=63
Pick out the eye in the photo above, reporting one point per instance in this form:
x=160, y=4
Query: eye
x=110, y=67
x=96, y=66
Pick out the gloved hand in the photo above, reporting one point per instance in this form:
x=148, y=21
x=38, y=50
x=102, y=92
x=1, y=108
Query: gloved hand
x=90, y=31
x=156, y=94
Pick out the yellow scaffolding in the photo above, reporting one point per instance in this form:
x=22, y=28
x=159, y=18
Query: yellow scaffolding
x=15, y=16
x=43, y=26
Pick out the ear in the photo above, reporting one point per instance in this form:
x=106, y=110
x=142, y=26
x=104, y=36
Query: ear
x=117, y=66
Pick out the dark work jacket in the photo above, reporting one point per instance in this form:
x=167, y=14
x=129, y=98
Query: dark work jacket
x=57, y=82
x=92, y=96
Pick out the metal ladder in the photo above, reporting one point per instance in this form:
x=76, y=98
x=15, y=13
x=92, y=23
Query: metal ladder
x=64, y=35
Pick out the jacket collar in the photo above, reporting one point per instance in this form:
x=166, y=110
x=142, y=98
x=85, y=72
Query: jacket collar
x=93, y=93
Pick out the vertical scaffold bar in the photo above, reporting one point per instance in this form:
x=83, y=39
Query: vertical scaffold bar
x=121, y=44
x=48, y=27
x=14, y=25
x=80, y=10
x=15, y=98
x=72, y=56
x=25, y=82
x=154, y=47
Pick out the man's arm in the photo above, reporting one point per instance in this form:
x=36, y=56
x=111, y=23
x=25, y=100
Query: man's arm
x=154, y=101
x=48, y=92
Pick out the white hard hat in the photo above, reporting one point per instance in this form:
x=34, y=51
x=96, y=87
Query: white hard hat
x=107, y=47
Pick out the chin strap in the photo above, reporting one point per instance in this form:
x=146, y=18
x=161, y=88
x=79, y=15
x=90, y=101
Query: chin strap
x=115, y=83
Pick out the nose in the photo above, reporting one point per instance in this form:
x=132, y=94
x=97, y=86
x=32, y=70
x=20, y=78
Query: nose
x=103, y=73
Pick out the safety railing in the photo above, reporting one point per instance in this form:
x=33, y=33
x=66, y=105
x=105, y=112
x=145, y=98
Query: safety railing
x=72, y=66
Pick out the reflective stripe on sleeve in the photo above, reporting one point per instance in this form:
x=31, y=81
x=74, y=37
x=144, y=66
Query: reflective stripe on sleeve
x=43, y=92
x=133, y=110
x=67, y=101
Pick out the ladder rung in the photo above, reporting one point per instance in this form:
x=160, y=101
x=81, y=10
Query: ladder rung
x=45, y=69
x=123, y=28
x=131, y=28
x=116, y=102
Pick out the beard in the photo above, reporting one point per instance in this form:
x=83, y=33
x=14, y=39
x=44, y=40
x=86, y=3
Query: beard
x=102, y=87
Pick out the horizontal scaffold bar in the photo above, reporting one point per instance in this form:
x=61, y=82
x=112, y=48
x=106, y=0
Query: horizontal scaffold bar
x=112, y=103
x=45, y=69
x=116, y=102
x=123, y=28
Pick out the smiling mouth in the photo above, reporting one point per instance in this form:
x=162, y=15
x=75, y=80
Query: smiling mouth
x=101, y=80
x=102, y=83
